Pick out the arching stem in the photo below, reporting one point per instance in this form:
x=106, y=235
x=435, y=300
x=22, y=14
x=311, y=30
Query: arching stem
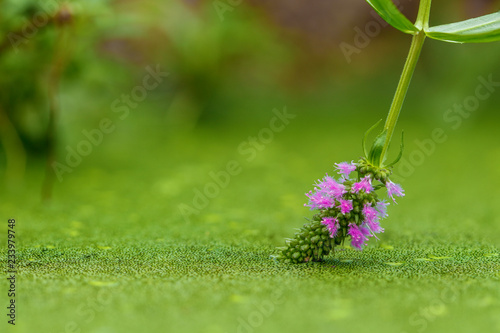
x=404, y=82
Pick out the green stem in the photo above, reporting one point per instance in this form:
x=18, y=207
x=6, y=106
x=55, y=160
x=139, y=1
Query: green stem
x=404, y=82
x=14, y=151
x=422, y=22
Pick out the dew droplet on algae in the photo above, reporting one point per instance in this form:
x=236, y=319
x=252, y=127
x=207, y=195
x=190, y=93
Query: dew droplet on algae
x=437, y=258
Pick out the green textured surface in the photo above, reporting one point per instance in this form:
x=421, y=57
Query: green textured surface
x=112, y=253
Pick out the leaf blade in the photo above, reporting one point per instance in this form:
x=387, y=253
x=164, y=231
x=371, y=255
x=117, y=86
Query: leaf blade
x=481, y=29
x=363, y=142
x=401, y=149
x=391, y=14
x=375, y=154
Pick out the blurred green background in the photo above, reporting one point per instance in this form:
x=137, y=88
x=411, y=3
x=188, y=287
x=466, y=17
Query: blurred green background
x=119, y=123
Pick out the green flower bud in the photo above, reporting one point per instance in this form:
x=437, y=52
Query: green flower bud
x=311, y=242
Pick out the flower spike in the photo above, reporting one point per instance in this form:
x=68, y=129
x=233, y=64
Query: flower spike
x=348, y=207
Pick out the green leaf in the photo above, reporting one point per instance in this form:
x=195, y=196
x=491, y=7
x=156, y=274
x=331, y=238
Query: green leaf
x=391, y=14
x=363, y=143
x=401, y=148
x=375, y=155
x=477, y=30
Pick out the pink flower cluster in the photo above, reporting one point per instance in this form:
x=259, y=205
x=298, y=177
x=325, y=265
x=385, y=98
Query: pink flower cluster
x=351, y=204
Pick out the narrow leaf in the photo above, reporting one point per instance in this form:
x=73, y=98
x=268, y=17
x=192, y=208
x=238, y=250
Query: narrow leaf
x=366, y=135
x=477, y=30
x=391, y=14
x=375, y=155
x=401, y=148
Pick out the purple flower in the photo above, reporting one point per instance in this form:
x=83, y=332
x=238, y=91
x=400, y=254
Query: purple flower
x=394, y=189
x=370, y=213
x=345, y=168
x=382, y=209
x=331, y=187
x=318, y=200
x=345, y=206
x=372, y=219
x=364, y=184
x=332, y=225
x=358, y=235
